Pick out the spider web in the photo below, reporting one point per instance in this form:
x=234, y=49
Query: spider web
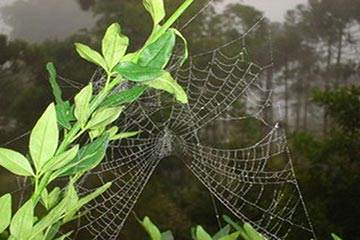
x=256, y=183
x=225, y=87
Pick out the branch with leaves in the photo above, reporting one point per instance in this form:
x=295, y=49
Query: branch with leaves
x=232, y=231
x=54, y=147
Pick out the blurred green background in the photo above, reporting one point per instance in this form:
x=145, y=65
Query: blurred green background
x=315, y=46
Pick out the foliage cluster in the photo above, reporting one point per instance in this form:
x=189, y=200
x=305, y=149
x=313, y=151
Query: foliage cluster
x=232, y=231
x=334, y=160
x=54, y=147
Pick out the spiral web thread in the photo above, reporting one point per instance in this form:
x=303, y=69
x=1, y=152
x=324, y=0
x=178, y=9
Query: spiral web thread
x=256, y=183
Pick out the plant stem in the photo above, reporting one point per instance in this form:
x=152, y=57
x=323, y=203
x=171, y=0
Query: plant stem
x=173, y=18
x=155, y=35
x=39, y=187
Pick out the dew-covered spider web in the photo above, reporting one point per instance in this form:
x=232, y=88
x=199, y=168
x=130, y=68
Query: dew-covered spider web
x=256, y=183
x=227, y=95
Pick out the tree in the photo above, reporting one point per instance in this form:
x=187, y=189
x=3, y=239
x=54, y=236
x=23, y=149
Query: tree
x=331, y=164
x=327, y=24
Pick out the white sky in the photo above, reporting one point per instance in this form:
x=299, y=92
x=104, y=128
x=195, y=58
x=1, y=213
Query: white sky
x=273, y=9
x=61, y=18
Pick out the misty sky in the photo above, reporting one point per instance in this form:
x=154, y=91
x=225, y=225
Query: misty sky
x=37, y=20
x=273, y=9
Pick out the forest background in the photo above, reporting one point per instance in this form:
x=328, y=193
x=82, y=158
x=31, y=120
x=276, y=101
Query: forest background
x=315, y=75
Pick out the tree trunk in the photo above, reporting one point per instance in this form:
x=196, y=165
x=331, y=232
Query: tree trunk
x=298, y=101
x=306, y=100
x=338, y=58
x=286, y=78
x=327, y=82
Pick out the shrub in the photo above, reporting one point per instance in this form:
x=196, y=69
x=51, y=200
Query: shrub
x=54, y=147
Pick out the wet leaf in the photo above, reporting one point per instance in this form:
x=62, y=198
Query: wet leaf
x=158, y=53
x=90, y=55
x=137, y=73
x=5, y=211
x=44, y=138
x=103, y=117
x=201, y=234
x=126, y=96
x=65, y=114
x=156, y=9
x=61, y=160
x=88, y=157
x=232, y=236
x=82, y=105
x=151, y=229
x=168, y=84
x=54, y=85
x=114, y=45
x=22, y=222
x=15, y=162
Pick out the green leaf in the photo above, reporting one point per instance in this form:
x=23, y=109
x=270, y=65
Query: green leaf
x=112, y=131
x=124, y=135
x=335, y=237
x=252, y=233
x=201, y=234
x=222, y=232
x=65, y=236
x=5, y=212
x=114, y=45
x=129, y=57
x=65, y=114
x=168, y=84
x=61, y=160
x=44, y=138
x=156, y=9
x=90, y=55
x=51, y=199
x=88, y=157
x=151, y=229
x=235, y=225
x=232, y=236
x=22, y=222
x=127, y=96
x=44, y=196
x=114, y=135
x=94, y=133
x=137, y=73
x=70, y=211
x=84, y=200
x=53, y=231
x=167, y=235
x=103, y=117
x=186, y=48
x=82, y=105
x=54, y=85
x=158, y=53
x=15, y=162
x=40, y=236
x=93, y=195
x=54, y=215
x=193, y=233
